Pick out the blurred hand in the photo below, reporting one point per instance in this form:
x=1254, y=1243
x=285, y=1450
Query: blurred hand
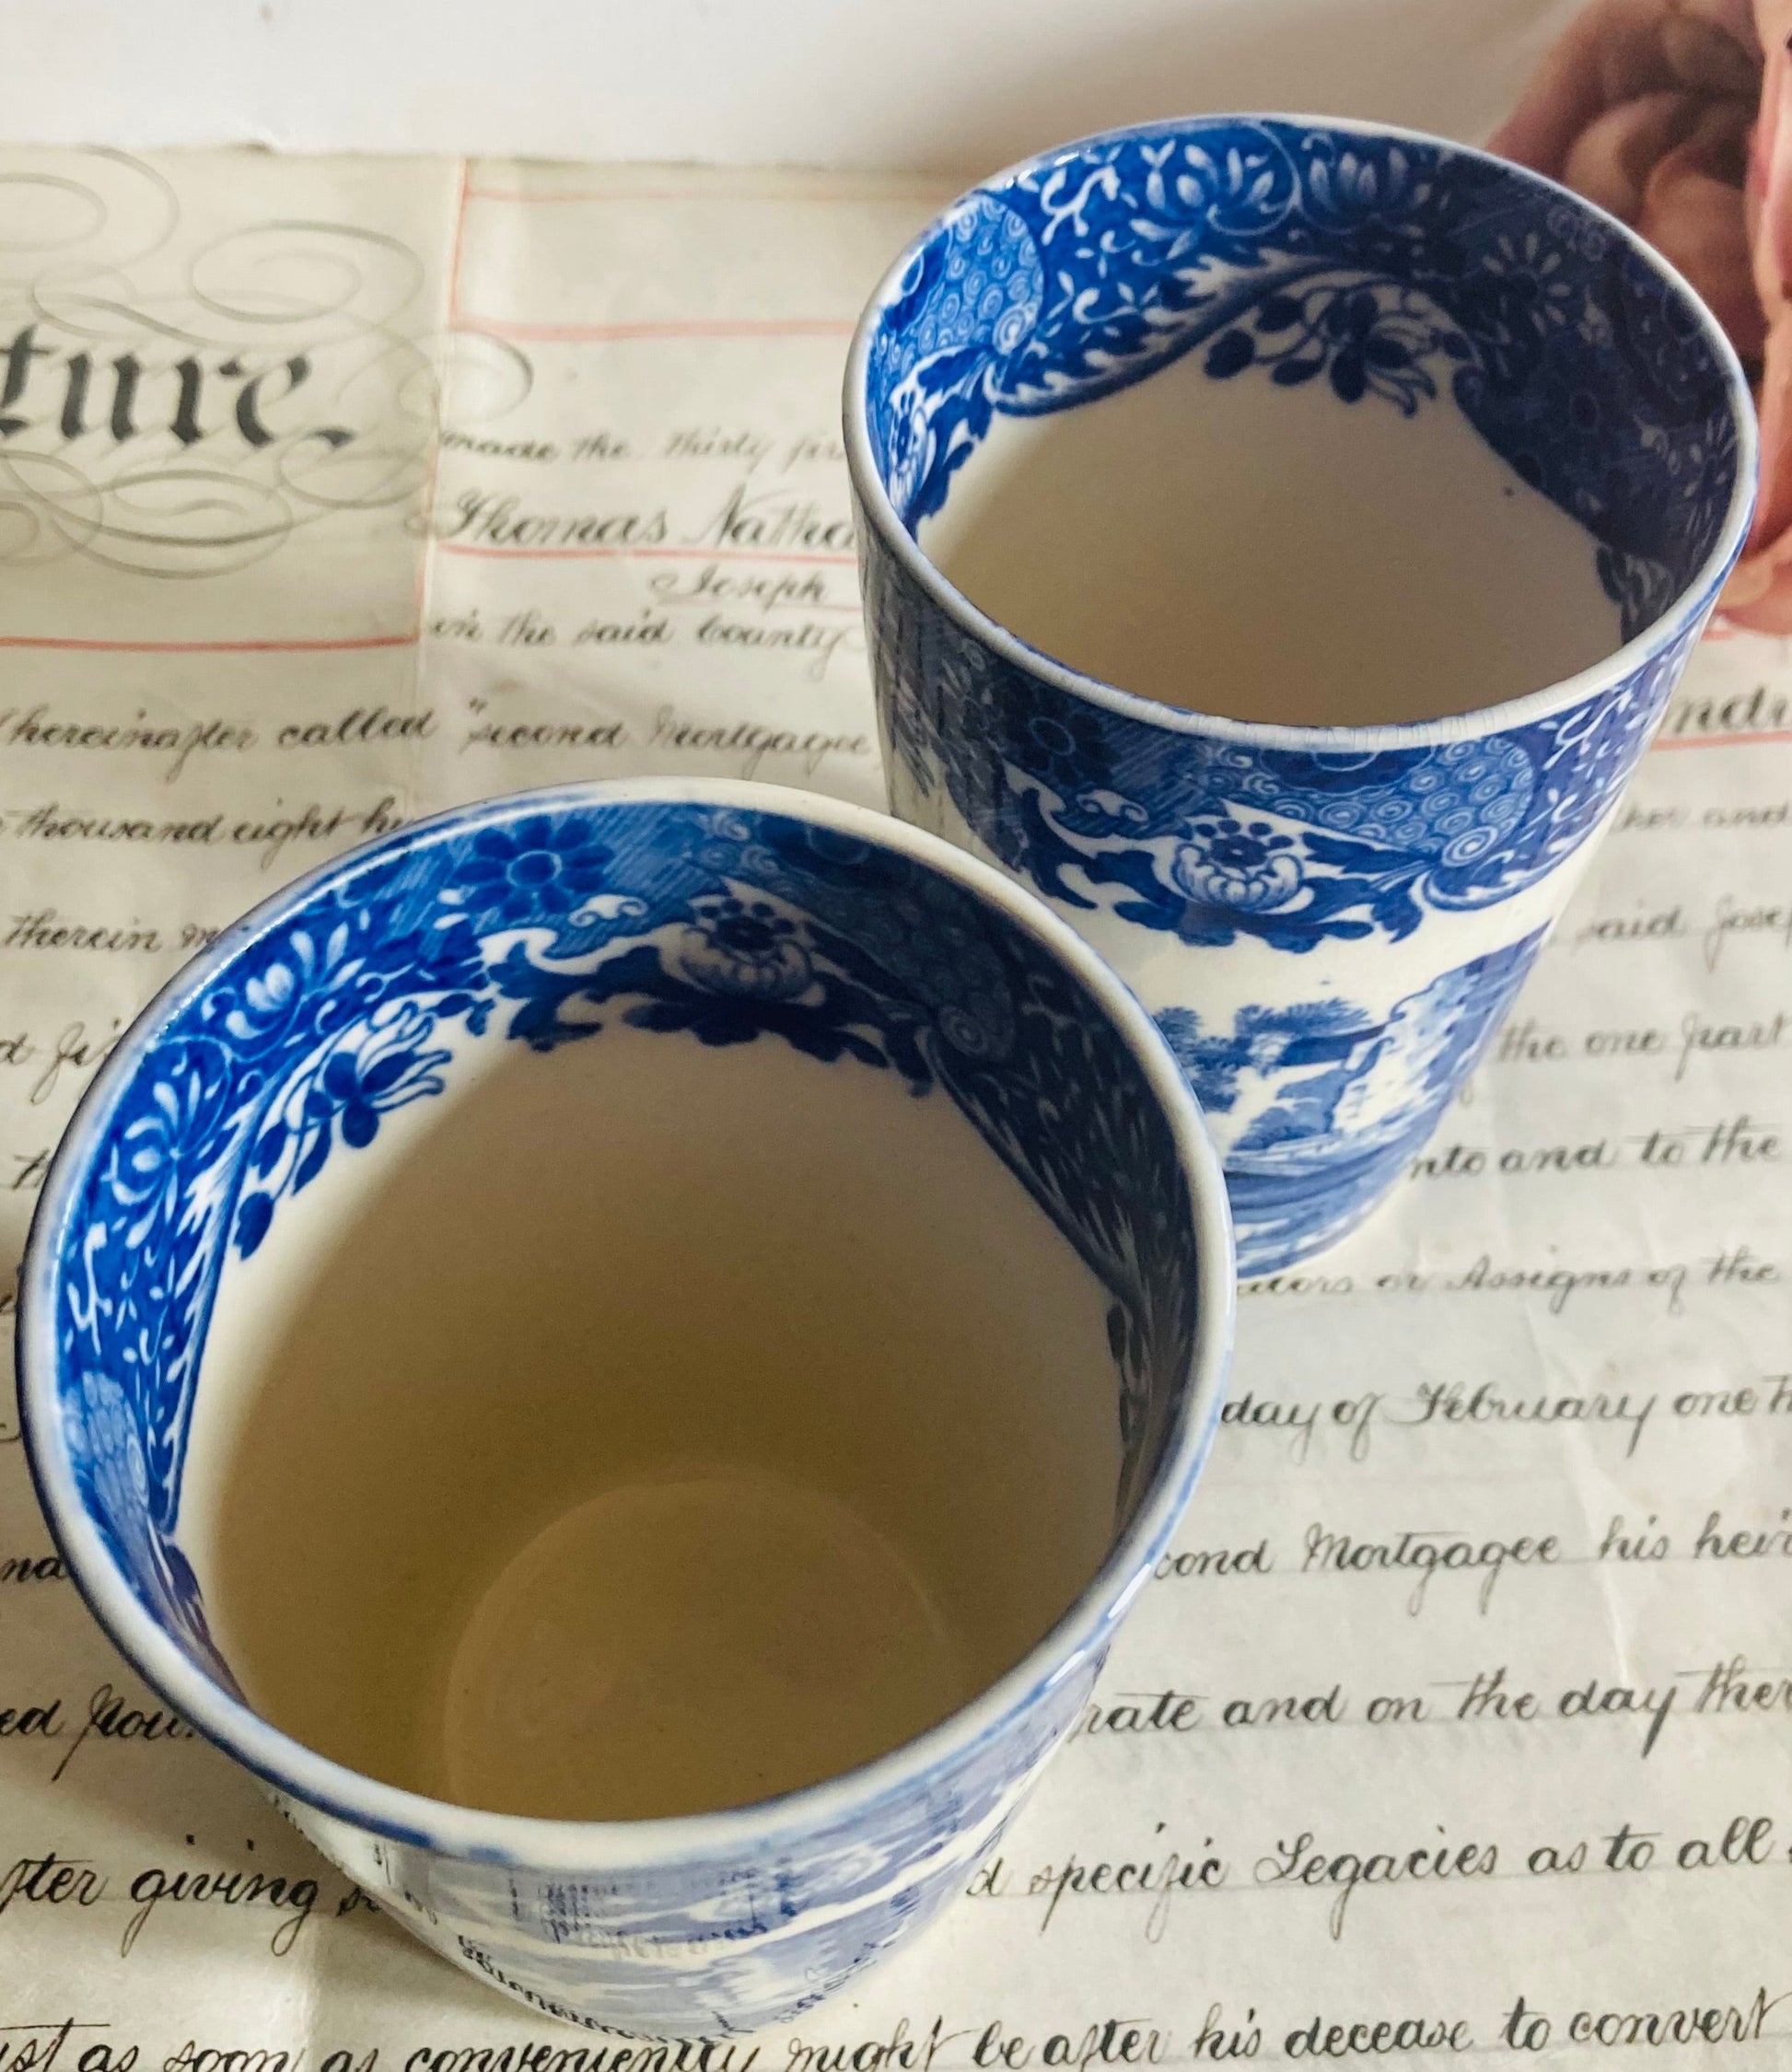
x=1674, y=115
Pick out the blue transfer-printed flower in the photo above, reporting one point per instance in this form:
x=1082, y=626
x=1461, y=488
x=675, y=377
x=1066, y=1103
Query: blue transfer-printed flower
x=930, y=941
x=1066, y=747
x=384, y=1067
x=971, y=709
x=744, y=945
x=307, y=974
x=540, y=870
x=1512, y=303
x=984, y=1031
x=184, y=1104
x=1535, y=281
x=1234, y=863
x=1359, y=183
x=1368, y=348
x=388, y=1070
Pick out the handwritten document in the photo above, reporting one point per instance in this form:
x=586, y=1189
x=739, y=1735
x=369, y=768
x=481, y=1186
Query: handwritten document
x=1458, y=1723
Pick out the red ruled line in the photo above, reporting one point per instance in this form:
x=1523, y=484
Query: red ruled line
x=693, y=327
x=463, y=194
x=210, y=647
x=1724, y=740
x=639, y=554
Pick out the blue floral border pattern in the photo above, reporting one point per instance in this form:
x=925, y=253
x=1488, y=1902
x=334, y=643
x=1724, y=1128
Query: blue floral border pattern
x=1392, y=267
x=721, y=926
x=1407, y=275
x=1211, y=840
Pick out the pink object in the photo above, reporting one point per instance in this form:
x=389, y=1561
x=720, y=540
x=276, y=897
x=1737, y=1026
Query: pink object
x=1668, y=114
